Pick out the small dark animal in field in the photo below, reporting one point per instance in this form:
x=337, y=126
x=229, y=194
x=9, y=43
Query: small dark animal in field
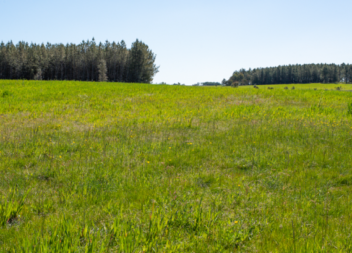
x=286, y=88
x=315, y=88
x=270, y=88
x=293, y=87
x=255, y=87
x=338, y=88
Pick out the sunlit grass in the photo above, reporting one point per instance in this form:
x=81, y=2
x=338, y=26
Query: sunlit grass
x=112, y=167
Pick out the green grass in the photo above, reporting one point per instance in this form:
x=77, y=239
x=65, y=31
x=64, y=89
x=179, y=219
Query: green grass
x=111, y=167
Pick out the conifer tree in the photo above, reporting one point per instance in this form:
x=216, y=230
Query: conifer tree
x=78, y=62
x=307, y=73
x=102, y=71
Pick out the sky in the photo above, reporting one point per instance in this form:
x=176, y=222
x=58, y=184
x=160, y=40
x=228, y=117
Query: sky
x=194, y=40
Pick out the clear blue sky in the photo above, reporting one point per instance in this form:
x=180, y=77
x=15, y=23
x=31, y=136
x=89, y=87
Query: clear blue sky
x=195, y=41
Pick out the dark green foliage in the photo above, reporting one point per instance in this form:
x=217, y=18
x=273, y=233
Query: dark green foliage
x=141, y=64
x=84, y=61
x=307, y=73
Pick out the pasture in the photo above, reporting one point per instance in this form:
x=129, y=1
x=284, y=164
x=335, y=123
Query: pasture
x=117, y=167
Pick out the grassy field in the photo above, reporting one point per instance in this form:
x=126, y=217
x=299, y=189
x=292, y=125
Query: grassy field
x=111, y=167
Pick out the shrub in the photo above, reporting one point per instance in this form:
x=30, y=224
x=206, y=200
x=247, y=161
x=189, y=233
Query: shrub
x=234, y=84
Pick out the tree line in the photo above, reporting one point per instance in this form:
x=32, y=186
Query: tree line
x=87, y=61
x=307, y=73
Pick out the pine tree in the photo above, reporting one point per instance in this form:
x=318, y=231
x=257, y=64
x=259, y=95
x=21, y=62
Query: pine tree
x=78, y=62
x=38, y=75
x=102, y=71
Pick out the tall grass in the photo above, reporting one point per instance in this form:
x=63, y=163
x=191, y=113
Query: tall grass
x=349, y=108
x=111, y=167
